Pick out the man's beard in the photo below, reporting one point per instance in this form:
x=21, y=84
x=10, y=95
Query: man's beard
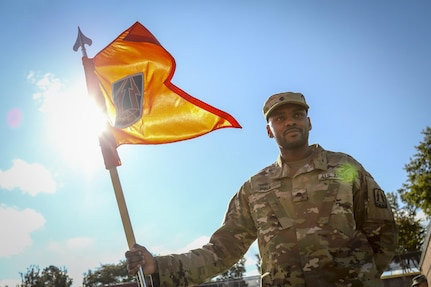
x=299, y=142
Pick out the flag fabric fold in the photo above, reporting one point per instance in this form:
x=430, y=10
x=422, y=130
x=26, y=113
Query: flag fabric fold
x=131, y=78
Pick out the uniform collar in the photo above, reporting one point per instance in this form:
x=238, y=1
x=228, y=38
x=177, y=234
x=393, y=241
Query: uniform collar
x=319, y=161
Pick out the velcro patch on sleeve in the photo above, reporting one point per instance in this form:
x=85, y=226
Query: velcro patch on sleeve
x=380, y=198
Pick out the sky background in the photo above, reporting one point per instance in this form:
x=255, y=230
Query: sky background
x=364, y=67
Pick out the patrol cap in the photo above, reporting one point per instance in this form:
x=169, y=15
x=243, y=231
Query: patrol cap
x=418, y=279
x=280, y=99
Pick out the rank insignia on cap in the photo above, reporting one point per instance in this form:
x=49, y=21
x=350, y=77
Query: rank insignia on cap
x=380, y=198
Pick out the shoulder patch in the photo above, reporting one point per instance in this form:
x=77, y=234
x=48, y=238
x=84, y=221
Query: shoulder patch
x=380, y=198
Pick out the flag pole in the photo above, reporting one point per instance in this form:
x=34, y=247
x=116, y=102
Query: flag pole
x=109, y=151
x=125, y=218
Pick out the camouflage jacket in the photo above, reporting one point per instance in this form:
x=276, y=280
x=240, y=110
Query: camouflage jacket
x=328, y=225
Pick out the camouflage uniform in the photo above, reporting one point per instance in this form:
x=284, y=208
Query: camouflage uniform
x=328, y=225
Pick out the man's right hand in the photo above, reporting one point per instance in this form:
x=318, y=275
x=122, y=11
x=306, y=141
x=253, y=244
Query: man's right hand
x=139, y=256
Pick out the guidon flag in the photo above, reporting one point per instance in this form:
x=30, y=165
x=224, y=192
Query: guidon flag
x=131, y=80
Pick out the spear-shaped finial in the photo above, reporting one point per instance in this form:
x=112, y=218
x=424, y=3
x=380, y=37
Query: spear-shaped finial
x=81, y=40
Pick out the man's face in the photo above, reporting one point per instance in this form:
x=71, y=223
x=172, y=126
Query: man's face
x=423, y=284
x=290, y=126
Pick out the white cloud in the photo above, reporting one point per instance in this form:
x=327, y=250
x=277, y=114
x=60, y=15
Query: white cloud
x=86, y=255
x=162, y=250
x=50, y=90
x=197, y=243
x=79, y=243
x=29, y=178
x=16, y=226
x=70, y=245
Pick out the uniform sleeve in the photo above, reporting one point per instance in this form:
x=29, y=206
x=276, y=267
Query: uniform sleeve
x=374, y=217
x=226, y=246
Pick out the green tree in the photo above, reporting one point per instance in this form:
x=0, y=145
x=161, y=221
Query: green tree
x=258, y=263
x=53, y=276
x=235, y=274
x=417, y=189
x=411, y=234
x=107, y=274
x=31, y=277
x=50, y=276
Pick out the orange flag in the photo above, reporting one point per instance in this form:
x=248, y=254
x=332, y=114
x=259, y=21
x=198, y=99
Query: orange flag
x=134, y=75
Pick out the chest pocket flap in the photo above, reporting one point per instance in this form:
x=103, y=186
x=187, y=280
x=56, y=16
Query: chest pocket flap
x=282, y=208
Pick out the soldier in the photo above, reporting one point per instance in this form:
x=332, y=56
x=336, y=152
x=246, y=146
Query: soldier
x=319, y=217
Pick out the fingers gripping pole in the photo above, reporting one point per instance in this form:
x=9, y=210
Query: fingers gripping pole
x=125, y=218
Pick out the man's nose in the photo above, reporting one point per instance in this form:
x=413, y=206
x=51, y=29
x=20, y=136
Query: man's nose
x=290, y=120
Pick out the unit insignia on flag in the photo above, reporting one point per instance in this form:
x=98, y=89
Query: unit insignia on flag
x=128, y=96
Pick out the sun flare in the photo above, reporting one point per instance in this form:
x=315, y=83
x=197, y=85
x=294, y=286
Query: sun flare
x=75, y=131
x=73, y=123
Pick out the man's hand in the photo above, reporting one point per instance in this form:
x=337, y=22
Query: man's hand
x=139, y=256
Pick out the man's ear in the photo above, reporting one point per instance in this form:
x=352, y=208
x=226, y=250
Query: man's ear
x=310, y=127
x=268, y=130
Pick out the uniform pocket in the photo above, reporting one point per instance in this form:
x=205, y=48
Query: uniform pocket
x=341, y=217
x=282, y=209
x=269, y=213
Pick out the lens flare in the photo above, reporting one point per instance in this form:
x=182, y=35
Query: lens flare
x=14, y=118
x=347, y=172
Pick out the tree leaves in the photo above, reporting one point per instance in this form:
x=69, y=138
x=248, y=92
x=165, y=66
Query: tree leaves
x=107, y=274
x=417, y=189
x=51, y=276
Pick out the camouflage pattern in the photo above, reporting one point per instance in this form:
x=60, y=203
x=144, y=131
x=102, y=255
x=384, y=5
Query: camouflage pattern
x=328, y=225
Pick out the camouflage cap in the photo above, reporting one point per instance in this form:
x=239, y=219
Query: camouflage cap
x=418, y=279
x=280, y=99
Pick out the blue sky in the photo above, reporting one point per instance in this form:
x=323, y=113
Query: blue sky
x=364, y=67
